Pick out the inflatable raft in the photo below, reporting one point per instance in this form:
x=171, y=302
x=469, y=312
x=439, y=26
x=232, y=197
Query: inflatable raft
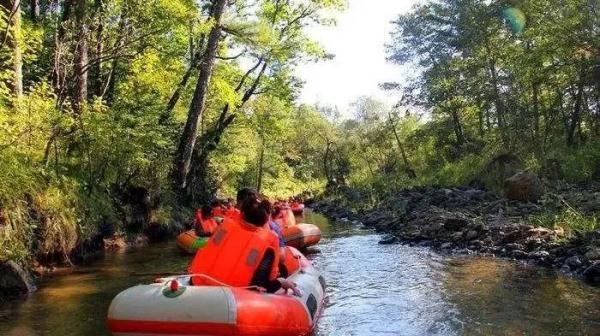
x=172, y=307
x=189, y=242
x=301, y=235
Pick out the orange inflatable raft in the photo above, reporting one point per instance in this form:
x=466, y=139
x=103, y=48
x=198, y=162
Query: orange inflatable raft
x=301, y=235
x=172, y=307
x=189, y=242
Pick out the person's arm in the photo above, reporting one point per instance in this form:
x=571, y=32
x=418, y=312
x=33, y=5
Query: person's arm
x=262, y=275
x=275, y=228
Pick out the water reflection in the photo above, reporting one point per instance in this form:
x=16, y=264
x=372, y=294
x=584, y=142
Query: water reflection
x=373, y=290
x=514, y=299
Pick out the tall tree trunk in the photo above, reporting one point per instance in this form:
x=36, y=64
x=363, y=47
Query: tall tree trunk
x=407, y=167
x=261, y=163
x=536, y=108
x=18, y=57
x=58, y=72
x=110, y=82
x=97, y=69
x=498, y=101
x=188, y=138
x=480, y=117
x=458, y=130
x=576, y=115
x=597, y=116
x=179, y=89
x=12, y=10
x=326, y=167
x=81, y=59
x=210, y=139
x=35, y=11
x=196, y=55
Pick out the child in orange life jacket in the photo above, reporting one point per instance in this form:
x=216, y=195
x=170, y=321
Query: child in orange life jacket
x=225, y=259
x=217, y=208
x=204, y=223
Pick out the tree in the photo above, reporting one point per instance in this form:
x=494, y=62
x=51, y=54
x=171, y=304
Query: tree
x=81, y=58
x=188, y=138
x=10, y=36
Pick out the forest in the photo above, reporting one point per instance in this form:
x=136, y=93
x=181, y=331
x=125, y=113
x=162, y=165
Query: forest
x=125, y=115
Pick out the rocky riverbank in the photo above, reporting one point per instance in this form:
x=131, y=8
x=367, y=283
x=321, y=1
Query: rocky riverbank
x=19, y=280
x=469, y=221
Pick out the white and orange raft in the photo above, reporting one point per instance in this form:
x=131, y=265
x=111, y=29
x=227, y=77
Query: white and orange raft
x=301, y=235
x=189, y=241
x=171, y=307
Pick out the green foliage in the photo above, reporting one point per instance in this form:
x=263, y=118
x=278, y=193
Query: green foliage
x=65, y=171
x=568, y=219
x=582, y=164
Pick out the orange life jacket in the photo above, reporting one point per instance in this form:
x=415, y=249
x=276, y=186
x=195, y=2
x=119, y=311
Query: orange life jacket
x=285, y=218
x=233, y=213
x=291, y=262
x=233, y=254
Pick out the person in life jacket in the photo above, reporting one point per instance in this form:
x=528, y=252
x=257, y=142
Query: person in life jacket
x=284, y=216
x=235, y=213
x=217, y=208
x=242, y=253
x=204, y=223
x=242, y=195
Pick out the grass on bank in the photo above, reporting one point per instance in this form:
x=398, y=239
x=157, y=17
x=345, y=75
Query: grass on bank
x=568, y=219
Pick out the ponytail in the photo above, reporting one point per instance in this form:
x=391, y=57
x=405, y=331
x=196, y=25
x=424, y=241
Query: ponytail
x=256, y=212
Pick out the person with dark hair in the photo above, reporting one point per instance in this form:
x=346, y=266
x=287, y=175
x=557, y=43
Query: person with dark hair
x=236, y=214
x=244, y=253
x=242, y=195
x=217, y=208
x=204, y=223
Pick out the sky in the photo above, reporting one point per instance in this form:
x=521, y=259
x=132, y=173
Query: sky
x=359, y=65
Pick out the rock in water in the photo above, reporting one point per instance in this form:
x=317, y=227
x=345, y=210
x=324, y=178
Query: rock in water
x=388, y=239
x=592, y=274
x=14, y=280
x=523, y=186
x=593, y=254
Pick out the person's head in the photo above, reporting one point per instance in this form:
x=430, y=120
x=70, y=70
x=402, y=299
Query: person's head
x=243, y=194
x=276, y=210
x=206, y=211
x=255, y=211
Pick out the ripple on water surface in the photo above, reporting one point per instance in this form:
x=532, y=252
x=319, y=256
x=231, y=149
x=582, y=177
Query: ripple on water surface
x=382, y=290
x=401, y=290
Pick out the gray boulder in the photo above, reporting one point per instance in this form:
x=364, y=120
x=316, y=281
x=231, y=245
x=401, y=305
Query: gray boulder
x=14, y=280
x=592, y=273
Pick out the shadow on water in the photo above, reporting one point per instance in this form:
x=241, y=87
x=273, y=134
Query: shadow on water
x=372, y=290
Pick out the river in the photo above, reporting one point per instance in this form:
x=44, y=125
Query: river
x=372, y=290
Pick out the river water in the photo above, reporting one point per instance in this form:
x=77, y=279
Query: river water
x=372, y=290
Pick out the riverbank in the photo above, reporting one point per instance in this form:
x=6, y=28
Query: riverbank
x=558, y=231
x=20, y=279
